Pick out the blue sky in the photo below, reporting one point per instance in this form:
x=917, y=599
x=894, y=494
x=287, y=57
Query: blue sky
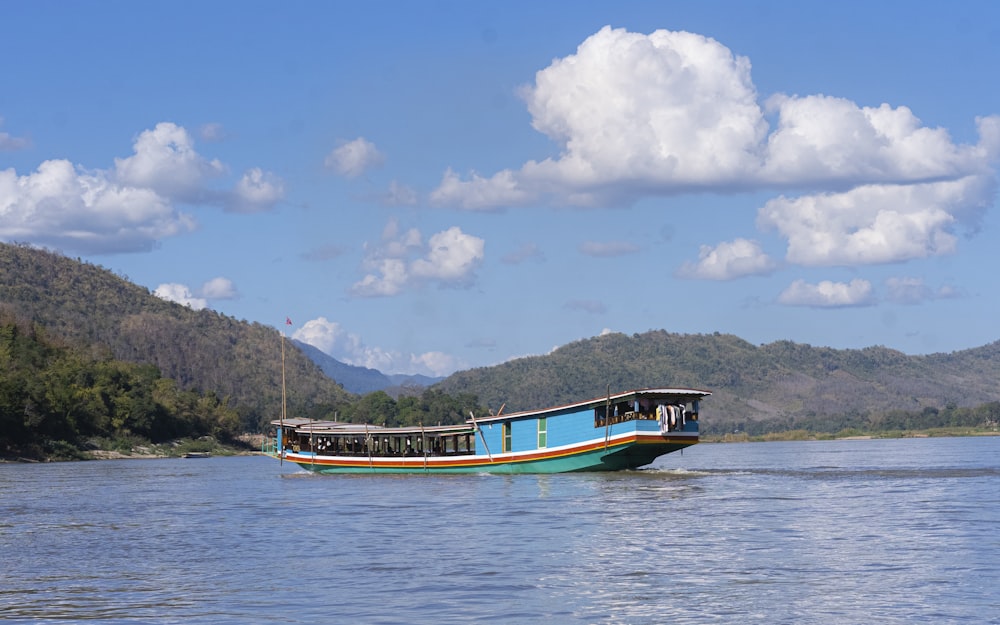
x=423, y=187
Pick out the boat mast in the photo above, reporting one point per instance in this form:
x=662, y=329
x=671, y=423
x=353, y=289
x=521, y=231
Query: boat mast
x=281, y=452
x=481, y=435
x=607, y=419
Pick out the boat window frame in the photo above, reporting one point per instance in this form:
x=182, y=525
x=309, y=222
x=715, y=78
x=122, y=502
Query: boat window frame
x=543, y=432
x=505, y=437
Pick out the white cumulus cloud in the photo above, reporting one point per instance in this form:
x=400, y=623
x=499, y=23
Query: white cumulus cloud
x=877, y=223
x=449, y=258
x=480, y=194
x=636, y=115
x=66, y=207
x=256, y=191
x=332, y=339
x=353, y=158
x=452, y=256
x=729, y=260
x=328, y=337
x=219, y=288
x=126, y=208
x=180, y=294
x=215, y=289
x=165, y=161
x=828, y=294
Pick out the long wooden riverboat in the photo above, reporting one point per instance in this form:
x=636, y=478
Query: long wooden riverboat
x=623, y=431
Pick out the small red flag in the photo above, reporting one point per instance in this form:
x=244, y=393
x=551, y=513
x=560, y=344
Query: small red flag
x=288, y=321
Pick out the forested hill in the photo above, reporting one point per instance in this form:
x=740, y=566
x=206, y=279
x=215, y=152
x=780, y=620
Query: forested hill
x=202, y=350
x=778, y=381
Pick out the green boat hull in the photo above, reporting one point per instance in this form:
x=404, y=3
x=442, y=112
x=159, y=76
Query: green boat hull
x=613, y=458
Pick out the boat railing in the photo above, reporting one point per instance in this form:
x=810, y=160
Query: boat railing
x=269, y=446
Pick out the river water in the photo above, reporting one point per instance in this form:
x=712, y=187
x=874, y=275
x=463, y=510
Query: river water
x=835, y=532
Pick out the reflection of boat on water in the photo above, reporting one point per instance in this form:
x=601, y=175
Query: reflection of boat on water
x=622, y=431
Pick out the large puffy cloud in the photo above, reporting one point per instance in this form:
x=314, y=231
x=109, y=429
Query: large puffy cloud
x=65, y=207
x=673, y=112
x=826, y=141
x=165, y=161
x=630, y=111
x=129, y=207
x=334, y=340
x=672, y=108
x=450, y=258
x=877, y=223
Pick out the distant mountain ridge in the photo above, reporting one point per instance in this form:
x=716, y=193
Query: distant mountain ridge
x=777, y=381
x=782, y=381
x=362, y=380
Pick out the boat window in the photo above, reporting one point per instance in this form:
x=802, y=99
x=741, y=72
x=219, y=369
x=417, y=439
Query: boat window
x=543, y=432
x=506, y=437
x=622, y=411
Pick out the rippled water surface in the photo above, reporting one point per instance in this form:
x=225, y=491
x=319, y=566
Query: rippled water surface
x=839, y=532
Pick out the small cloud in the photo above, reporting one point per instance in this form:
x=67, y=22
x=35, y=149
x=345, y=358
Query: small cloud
x=10, y=143
x=524, y=253
x=482, y=344
x=219, y=288
x=592, y=306
x=180, y=294
x=449, y=259
x=212, y=132
x=914, y=291
x=728, y=260
x=328, y=337
x=354, y=158
x=399, y=195
x=608, y=248
x=256, y=191
x=828, y=294
x=438, y=364
x=324, y=252
x=480, y=194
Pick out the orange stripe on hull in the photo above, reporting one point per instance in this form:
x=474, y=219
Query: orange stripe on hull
x=435, y=462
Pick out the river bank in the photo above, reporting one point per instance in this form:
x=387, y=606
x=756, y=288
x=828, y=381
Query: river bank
x=104, y=449
x=807, y=435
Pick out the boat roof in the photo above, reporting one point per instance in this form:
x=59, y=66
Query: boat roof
x=670, y=394
x=311, y=426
